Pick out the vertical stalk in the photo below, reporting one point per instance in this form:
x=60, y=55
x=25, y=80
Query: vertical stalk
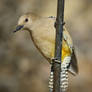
x=58, y=46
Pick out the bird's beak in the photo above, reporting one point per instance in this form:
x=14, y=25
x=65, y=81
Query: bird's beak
x=19, y=27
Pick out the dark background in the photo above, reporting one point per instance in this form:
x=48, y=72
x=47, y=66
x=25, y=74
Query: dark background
x=22, y=68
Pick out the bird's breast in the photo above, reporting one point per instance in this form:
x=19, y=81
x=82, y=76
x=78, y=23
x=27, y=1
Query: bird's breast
x=43, y=37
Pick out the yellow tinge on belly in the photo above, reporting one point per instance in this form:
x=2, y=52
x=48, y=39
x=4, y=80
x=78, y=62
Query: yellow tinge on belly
x=65, y=51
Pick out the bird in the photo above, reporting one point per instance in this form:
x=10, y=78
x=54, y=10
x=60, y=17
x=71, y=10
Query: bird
x=43, y=33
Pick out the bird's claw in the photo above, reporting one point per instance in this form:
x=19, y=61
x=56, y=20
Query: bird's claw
x=56, y=60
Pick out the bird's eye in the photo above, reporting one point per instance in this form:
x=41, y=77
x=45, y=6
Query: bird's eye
x=26, y=20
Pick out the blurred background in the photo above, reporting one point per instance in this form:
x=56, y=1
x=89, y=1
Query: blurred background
x=22, y=68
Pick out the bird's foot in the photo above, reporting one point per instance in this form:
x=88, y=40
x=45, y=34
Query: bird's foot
x=55, y=60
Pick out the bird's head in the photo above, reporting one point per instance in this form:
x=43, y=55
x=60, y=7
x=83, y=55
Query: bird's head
x=26, y=21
